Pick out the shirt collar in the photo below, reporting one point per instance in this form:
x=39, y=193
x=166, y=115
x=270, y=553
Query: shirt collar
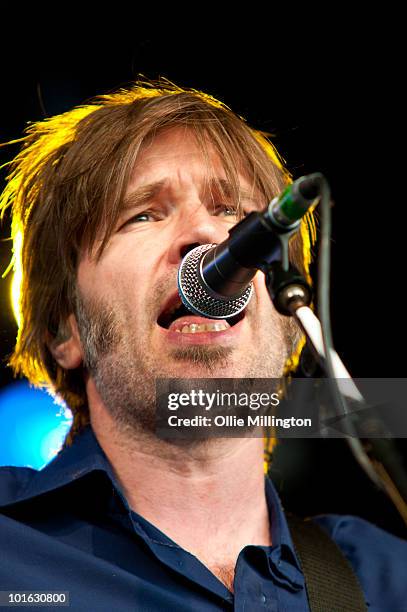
x=85, y=455
x=72, y=463
x=283, y=559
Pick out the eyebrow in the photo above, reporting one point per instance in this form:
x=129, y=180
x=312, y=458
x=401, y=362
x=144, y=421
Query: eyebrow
x=226, y=187
x=142, y=195
x=145, y=193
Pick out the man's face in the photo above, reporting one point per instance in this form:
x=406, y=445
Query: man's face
x=123, y=295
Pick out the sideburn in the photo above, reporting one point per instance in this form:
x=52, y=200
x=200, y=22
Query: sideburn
x=98, y=330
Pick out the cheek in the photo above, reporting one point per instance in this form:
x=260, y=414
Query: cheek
x=124, y=264
x=264, y=302
x=263, y=298
x=112, y=287
x=134, y=254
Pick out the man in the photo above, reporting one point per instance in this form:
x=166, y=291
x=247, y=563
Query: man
x=107, y=199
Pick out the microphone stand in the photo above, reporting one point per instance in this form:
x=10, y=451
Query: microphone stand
x=216, y=279
x=379, y=458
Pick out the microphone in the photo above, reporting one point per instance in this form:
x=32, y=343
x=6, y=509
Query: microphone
x=214, y=280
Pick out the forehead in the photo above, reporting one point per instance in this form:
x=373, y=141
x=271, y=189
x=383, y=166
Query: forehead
x=176, y=151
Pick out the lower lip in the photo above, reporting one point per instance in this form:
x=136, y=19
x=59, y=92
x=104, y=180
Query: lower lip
x=224, y=337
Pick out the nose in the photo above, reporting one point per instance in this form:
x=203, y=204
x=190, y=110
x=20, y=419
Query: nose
x=196, y=227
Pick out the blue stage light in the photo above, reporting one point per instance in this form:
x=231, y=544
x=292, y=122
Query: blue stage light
x=32, y=425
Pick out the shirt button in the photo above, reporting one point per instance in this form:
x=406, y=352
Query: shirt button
x=263, y=599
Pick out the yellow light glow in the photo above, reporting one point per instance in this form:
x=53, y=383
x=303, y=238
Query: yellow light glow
x=16, y=282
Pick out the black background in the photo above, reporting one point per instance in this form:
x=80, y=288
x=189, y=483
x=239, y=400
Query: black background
x=331, y=100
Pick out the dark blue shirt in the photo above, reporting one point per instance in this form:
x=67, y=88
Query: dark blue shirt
x=69, y=528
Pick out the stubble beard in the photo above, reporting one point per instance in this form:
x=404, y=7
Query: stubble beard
x=125, y=372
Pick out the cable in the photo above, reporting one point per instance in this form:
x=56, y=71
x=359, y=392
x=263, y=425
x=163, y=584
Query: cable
x=324, y=264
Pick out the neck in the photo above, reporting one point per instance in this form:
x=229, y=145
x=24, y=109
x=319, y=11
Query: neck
x=208, y=497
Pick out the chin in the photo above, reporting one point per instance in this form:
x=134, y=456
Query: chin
x=203, y=361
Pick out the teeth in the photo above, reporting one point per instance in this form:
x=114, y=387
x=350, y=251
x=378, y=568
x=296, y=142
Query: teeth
x=218, y=326
x=193, y=328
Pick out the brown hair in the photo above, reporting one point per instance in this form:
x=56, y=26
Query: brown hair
x=67, y=185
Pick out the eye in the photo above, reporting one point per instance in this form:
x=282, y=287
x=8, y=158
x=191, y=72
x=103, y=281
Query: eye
x=143, y=217
x=228, y=210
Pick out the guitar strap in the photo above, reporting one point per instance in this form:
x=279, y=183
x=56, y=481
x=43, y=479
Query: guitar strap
x=331, y=583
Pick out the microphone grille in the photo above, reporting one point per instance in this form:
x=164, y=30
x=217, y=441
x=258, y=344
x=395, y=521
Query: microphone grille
x=198, y=297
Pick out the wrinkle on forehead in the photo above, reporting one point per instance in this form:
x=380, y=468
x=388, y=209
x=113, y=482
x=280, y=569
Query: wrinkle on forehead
x=240, y=182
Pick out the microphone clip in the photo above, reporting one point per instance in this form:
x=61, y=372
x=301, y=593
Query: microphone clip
x=287, y=288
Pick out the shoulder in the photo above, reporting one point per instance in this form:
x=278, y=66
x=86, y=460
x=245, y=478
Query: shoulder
x=378, y=558
x=12, y=481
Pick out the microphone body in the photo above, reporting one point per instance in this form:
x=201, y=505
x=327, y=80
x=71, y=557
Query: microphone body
x=215, y=280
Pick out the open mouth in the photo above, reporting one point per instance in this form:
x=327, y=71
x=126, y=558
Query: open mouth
x=176, y=317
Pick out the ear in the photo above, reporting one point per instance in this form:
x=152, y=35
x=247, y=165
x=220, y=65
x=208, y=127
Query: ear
x=66, y=348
